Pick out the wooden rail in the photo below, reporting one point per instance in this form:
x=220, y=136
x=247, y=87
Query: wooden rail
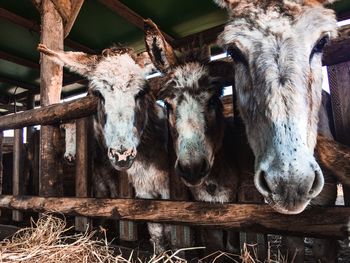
x=55, y=113
x=318, y=221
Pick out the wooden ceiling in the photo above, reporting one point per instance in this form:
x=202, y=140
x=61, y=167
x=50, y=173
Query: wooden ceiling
x=99, y=24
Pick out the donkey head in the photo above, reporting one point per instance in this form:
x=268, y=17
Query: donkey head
x=117, y=77
x=192, y=97
x=277, y=48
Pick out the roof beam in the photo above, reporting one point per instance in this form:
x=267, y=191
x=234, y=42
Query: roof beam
x=20, y=61
x=35, y=27
x=129, y=15
x=67, y=78
x=25, y=85
x=207, y=36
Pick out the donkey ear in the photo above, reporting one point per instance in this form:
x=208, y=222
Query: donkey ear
x=223, y=72
x=159, y=50
x=78, y=62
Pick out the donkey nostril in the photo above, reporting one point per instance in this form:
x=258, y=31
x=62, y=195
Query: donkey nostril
x=317, y=185
x=204, y=167
x=263, y=183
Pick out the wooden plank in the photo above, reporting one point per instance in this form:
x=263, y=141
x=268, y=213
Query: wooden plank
x=247, y=192
x=18, y=60
x=339, y=81
x=181, y=236
x=207, y=36
x=17, y=174
x=50, y=91
x=331, y=221
x=33, y=26
x=336, y=52
x=127, y=228
x=83, y=166
x=60, y=112
x=1, y=166
x=67, y=80
x=25, y=85
x=129, y=15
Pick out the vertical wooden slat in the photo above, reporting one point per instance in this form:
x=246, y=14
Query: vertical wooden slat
x=83, y=167
x=29, y=160
x=127, y=229
x=36, y=159
x=1, y=166
x=181, y=236
x=339, y=82
x=17, y=176
x=50, y=90
x=247, y=192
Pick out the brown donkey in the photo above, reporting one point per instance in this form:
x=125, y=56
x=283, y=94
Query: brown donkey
x=129, y=125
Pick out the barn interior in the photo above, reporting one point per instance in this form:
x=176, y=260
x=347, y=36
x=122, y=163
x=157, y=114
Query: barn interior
x=99, y=24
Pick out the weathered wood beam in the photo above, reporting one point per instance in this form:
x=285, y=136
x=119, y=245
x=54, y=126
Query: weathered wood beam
x=51, y=75
x=10, y=108
x=1, y=166
x=67, y=79
x=60, y=112
x=17, y=172
x=343, y=16
x=129, y=15
x=17, y=60
x=331, y=221
x=35, y=27
x=83, y=166
x=25, y=85
x=336, y=52
x=76, y=6
x=207, y=36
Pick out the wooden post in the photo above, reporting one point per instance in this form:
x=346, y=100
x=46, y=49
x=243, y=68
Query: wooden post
x=181, y=236
x=339, y=82
x=83, y=167
x=247, y=192
x=127, y=229
x=17, y=175
x=50, y=90
x=1, y=166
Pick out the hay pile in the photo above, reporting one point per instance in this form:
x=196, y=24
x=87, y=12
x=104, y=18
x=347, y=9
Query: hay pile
x=48, y=241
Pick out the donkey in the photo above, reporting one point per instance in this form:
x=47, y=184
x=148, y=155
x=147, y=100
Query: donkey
x=277, y=49
x=129, y=125
x=202, y=137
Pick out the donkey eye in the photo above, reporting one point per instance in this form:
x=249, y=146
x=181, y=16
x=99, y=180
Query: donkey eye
x=212, y=102
x=168, y=106
x=98, y=94
x=318, y=48
x=236, y=54
x=140, y=95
